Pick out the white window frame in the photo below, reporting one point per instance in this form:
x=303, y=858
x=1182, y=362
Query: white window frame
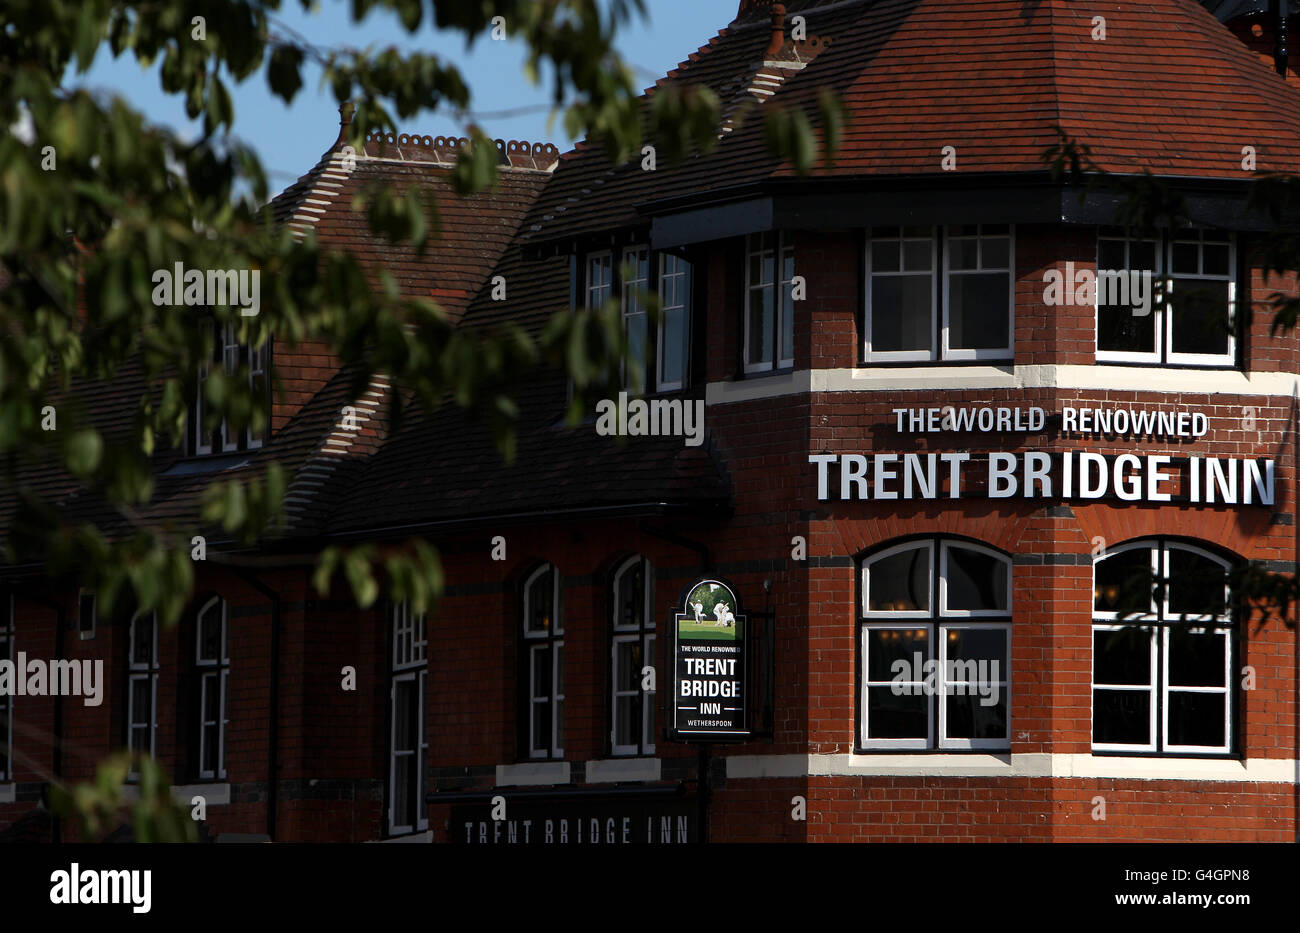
x=7, y=628
x=681, y=273
x=1003, y=354
x=783, y=299
x=886, y=356
x=937, y=622
x=591, y=288
x=905, y=744
x=552, y=641
x=931, y=595
x=631, y=306
x=408, y=662
x=1158, y=625
x=83, y=635
x=213, y=671
x=142, y=671
x=227, y=339
x=625, y=634
x=1228, y=359
x=1004, y=686
x=1158, y=311
x=945, y=546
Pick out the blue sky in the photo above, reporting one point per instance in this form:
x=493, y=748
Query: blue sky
x=289, y=139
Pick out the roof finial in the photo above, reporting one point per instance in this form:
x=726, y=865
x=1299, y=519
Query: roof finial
x=778, y=29
x=346, y=109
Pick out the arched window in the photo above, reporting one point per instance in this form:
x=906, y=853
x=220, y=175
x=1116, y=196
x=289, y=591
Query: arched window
x=6, y=701
x=935, y=647
x=542, y=665
x=632, y=640
x=212, y=666
x=1162, y=650
x=408, y=749
x=142, y=683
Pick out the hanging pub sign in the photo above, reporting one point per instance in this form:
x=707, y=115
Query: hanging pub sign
x=710, y=665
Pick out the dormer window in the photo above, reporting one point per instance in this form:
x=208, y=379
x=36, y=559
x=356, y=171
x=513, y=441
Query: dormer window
x=230, y=354
x=660, y=350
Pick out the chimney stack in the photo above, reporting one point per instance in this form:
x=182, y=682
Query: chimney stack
x=1280, y=51
x=778, y=30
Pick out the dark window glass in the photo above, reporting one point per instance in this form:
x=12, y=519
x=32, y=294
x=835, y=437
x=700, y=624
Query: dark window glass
x=900, y=582
x=1121, y=717
x=1123, y=582
x=900, y=313
x=1196, y=659
x=976, y=581
x=887, y=645
x=979, y=311
x=1122, y=656
x=1196, y=718
x=893, y=716
x=1200, y=316
x=969, y=718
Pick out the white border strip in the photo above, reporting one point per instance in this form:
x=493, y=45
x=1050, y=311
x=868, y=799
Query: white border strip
x=533, y=773
x=1256, y=770
x=1166, y=380
x=8, y=793
x=611, y=770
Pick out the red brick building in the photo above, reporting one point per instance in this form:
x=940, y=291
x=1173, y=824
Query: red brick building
x=929, y=476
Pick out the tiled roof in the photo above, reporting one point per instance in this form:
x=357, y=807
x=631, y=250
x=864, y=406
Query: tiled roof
x=320, y=452
x=1169, y=90
x=444, y=466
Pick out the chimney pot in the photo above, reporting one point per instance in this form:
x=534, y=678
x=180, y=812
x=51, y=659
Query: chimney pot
x=778, y=29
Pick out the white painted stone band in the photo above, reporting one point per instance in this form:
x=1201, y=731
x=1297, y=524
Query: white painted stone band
x=1255, y=770
x=1167, y=380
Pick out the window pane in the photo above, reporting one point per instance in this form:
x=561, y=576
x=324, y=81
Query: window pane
x=979, y=314
x=1121, y=717
x=542, y=726
x=1121, y=657
x=891, y=716
x=211, y=698
x=1197, y=659
x=631, y=596
x=627, y=665
x=761, y=322
x=540, y=596
x=541, y=672
x=964, y=254
x=210, y=634
x=1200, y=316
x=638, y=340
x=142, y=641
x=901, y=313
x=900, y=582
x=625, y=719
x=673, y=355
x=141, y=702
x=1185, y=259
x=885, y=646
x=1110, y=254
x=985, y=646
x=997, y=252
x=1123, y=582
x=976, y=581
x=917, y=255
x=1197, y=585
x=1196, y=719
x=1120, y=330
x=969, y=718
x=787, y=322
x=405, y=716
x=885, y=256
